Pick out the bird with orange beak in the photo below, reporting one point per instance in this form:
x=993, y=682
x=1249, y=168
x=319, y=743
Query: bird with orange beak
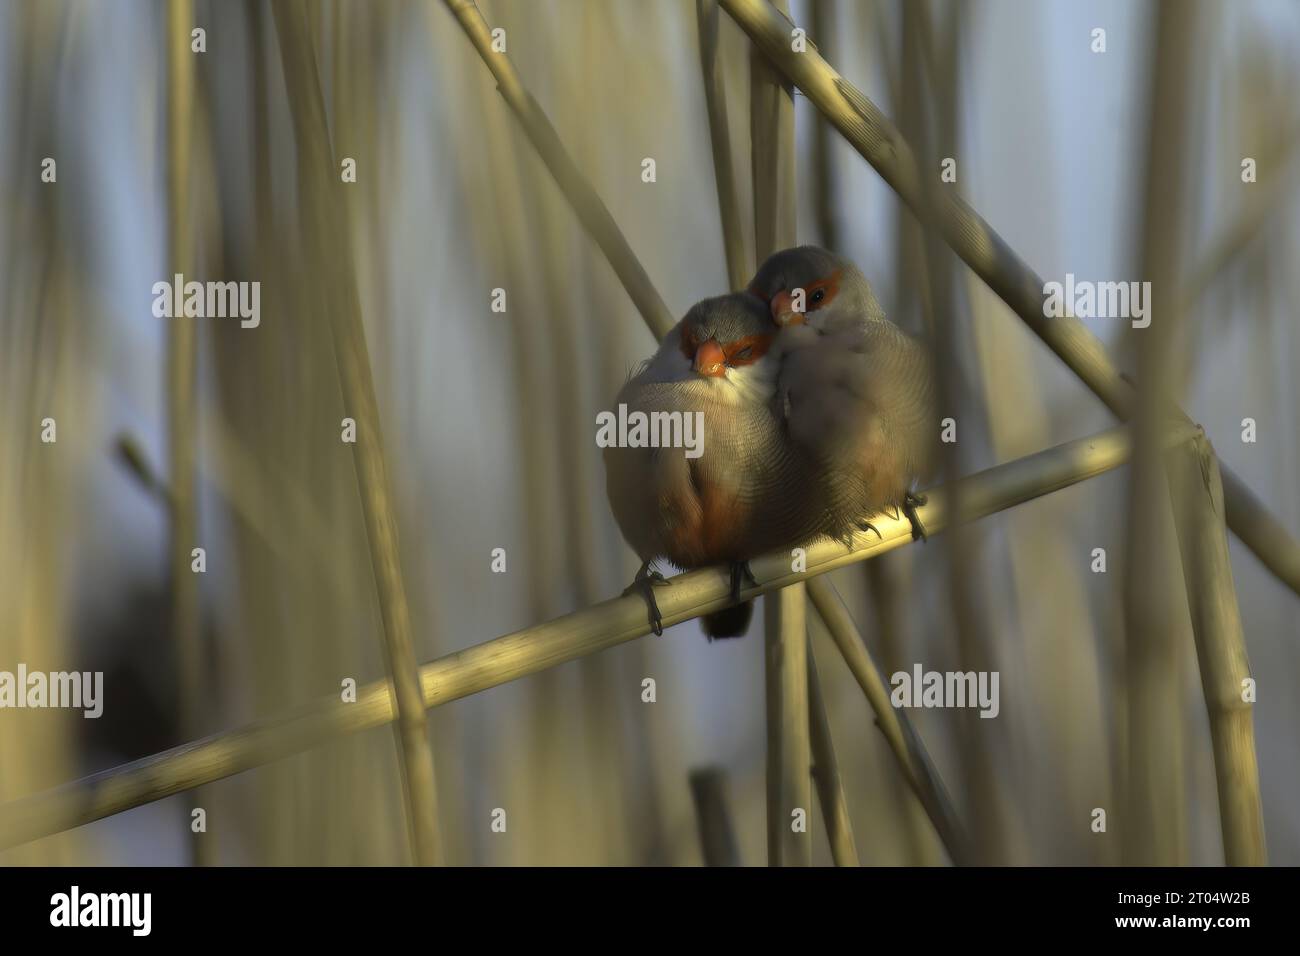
x=748, y=490
x=857, y=391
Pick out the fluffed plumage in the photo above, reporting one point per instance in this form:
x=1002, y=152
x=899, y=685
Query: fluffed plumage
x=818, y=413
x=858, y=392
x=741, y=497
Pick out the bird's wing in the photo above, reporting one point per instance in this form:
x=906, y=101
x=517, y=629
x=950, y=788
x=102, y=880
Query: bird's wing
x=861, y=401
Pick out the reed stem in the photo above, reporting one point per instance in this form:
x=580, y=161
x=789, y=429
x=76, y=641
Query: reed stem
x=1220, y=652
x=325, y=234
x=582, y=197
x=536, y=648
x=724, y=173
x=182, y=406
x=826, y=773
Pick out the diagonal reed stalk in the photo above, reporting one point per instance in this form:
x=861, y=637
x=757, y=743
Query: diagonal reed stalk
x=182, y=418
x=537, y=648
x=324, y=231
x=915, y=763
x=826, y=772
x=582, y=197
x=871, y=133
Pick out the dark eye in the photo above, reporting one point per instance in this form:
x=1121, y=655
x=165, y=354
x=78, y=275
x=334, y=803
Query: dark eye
x=742, y=354
x=819, y=295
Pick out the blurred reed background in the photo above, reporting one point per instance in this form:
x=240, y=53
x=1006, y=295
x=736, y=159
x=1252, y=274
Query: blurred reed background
x=489, y=418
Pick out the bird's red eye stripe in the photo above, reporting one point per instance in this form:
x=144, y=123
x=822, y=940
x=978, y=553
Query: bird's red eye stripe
x=829, y=286
x=757, y=346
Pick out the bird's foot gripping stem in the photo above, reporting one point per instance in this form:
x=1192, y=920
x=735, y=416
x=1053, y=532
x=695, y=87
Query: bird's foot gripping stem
x=910, y=503
x=645, y=582
x=740, y=572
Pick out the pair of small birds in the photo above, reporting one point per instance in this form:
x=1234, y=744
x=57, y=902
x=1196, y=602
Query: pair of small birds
x=815, y=419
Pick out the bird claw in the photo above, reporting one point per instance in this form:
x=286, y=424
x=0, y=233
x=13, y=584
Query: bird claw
x=739, y=570
x=910, y=503
x=865, y=526
x=645, y=582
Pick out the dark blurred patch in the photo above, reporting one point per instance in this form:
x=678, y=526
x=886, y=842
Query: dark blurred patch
x=138, y=659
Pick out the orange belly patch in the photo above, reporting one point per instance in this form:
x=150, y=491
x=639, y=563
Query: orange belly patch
x=710, y=527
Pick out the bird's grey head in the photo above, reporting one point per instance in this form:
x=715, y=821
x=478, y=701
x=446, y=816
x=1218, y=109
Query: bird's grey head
x=722, y=344
x=835, y=293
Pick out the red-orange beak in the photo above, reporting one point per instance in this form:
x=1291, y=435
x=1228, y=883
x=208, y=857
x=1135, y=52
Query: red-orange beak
x=783, y=312
x=710, y=360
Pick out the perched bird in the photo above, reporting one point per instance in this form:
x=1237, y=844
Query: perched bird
x=746, y=491
x=857, y=391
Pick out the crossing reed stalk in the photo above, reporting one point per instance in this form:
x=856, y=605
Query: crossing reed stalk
x=533, y=649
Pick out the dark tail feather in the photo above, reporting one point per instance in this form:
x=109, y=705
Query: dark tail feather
x=729, y=622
